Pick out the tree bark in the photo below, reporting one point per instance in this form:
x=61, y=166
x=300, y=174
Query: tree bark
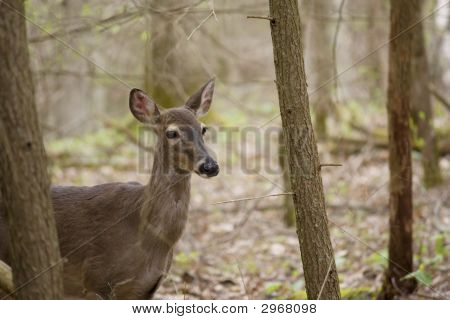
x=24, y=183
x=288, y=207
x=400, y=184
x=422, y=112
x=312, y=225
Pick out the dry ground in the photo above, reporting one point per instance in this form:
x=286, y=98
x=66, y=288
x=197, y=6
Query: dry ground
x=242, y=250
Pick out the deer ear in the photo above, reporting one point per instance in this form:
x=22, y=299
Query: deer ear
x=143, y=107
x=200, y=101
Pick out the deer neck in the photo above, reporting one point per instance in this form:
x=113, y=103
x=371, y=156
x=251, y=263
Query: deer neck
x=166, y=202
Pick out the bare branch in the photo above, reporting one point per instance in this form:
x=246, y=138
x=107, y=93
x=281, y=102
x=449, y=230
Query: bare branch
x=254, y=198
x=439, y=96
x=105, y=23
x=329, y=165
x=243, y=282
x=212, y=13
x=271, y=19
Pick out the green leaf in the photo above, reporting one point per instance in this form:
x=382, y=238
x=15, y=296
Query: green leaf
x=420, y=275
x=380, y=258
x=85, y=9
x=144, y=36
x=115, y=29
x=421, y=115
x=271, y=287
x=420, y=142
x=186, y=258
x=439, y=245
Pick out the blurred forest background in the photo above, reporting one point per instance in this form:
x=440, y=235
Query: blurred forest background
x=86, y=55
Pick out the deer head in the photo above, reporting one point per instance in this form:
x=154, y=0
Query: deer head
x=180, y=134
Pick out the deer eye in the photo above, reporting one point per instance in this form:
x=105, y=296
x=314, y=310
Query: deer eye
x=172, y=134
x=204, y=129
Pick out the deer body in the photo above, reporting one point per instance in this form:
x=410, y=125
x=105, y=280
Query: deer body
x=117, y=239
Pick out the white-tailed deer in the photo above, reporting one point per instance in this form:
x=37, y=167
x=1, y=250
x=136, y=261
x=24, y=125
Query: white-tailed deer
x=117, y=238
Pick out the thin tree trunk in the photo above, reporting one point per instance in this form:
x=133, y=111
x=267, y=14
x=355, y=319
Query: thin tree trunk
x=24, y=183
x=160, y=63
x=398, y=108
x=320, y=48
x=377, y=33
x=73, y=107
x=312, y=225
x=422, y=112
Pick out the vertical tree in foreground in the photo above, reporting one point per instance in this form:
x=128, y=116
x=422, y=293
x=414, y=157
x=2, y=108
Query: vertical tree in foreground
x=421, y=108
x=312, y=225
x=400, y=184
x=24, y=183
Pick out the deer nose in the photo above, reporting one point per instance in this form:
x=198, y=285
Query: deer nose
x=209, y=168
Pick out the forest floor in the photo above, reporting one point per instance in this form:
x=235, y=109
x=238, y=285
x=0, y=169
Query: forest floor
x=243, y=250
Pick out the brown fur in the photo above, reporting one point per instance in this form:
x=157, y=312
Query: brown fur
x=117, y=238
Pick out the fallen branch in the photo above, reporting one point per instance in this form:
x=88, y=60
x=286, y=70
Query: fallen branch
x=6, y=279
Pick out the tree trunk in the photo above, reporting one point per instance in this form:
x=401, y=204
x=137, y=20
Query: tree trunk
x=71, y=104
x=377, y=33
x=398, y=108
x=312, y=225
x=288, y=207
x=422, y=112
x=320, y=48
x=160, y=63
x=24, y=181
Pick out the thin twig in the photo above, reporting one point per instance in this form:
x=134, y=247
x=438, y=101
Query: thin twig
x=326, y=278
x=330, y=165
x=212, y=13
x=253, y=198
x=211, y=3
x=271, y=19
x=439, y=97
x=104, y=24
x=243, y=282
